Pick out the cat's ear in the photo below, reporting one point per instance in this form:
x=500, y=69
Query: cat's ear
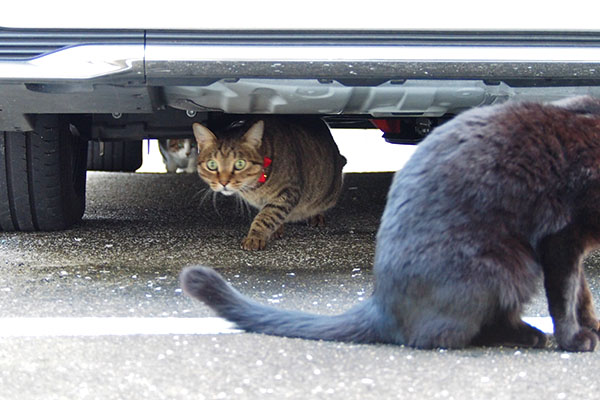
x=203, y=135
x=254, y=135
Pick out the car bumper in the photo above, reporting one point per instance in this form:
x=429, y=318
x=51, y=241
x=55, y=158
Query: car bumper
x=373, y=73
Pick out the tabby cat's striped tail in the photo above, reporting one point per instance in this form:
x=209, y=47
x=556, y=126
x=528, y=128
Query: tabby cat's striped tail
x=357, y=325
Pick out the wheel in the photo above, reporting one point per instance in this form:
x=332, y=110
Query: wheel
x=42, y=177
x=115, y=156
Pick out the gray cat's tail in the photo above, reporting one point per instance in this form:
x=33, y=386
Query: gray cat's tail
x=357, y=325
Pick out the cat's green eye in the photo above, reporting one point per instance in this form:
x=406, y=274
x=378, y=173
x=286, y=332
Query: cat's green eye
x=180, y=145
x=239, y=164
x=212, y=165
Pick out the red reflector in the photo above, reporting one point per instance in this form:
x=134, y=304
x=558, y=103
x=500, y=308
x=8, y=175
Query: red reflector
x=388, y=125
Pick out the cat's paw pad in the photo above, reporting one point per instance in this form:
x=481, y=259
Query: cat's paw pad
x=584, y=340
x=254, y=243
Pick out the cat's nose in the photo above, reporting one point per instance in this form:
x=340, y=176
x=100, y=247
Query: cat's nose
x=224, y=183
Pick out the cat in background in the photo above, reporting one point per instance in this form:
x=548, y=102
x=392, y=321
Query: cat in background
x=178, y=153
x=491, y=203
x=287, y=167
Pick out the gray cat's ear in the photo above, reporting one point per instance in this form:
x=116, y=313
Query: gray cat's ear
x=254, y=135
x=203, y=135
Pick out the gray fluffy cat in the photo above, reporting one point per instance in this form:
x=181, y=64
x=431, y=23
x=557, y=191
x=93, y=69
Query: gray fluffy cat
x=491, y=203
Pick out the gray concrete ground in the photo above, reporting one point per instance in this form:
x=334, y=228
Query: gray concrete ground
x=123, y=260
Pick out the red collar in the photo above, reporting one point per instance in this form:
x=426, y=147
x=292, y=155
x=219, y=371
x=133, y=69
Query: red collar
x=266, y=162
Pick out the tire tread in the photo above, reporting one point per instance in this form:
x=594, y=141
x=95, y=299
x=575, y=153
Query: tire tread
x=40, y=187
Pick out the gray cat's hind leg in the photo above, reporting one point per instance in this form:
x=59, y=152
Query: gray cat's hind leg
x=509, y=329
x=442, y=332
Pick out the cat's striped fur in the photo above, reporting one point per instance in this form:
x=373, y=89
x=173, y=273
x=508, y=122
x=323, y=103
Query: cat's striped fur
x=297, y=159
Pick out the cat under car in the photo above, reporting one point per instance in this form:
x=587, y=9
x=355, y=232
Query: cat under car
x=491, y=204
x=289, y=168
x=179, y=154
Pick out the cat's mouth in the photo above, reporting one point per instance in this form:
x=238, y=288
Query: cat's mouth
x=227, y=191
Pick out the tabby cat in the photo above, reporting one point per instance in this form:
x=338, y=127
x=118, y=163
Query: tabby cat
x=178, y=153
x=490, y=203
x=288, y=168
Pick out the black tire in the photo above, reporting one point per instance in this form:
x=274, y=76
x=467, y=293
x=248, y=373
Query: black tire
x=42, y=177
x=115, y=156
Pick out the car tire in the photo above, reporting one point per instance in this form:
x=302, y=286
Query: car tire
x=42, y=177
x=123, y=156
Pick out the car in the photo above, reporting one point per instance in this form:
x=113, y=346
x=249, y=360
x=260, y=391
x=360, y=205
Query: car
x=79, y=90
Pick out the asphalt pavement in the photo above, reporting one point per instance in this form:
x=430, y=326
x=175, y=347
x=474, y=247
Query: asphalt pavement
x=96, y=312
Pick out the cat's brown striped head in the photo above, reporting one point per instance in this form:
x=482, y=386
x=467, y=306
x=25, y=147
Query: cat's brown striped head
x=230, y=164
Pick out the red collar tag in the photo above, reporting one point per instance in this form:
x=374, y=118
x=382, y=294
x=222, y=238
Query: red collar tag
x=266, y=162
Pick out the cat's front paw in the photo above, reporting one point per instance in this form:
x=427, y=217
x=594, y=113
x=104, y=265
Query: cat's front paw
x=584, y=340
x=254, y=243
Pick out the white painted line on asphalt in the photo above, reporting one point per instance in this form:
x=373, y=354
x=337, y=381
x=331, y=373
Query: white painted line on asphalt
x=544, y=324
x=91, y=326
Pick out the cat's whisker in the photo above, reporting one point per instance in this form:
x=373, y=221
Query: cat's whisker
x=243, y=206
x=202, y=194
x=214, y=201
x=205, y=195
x=238, y=203
x=197, y=194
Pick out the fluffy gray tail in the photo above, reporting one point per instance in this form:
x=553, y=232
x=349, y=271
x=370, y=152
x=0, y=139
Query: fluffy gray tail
x=357, y=325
